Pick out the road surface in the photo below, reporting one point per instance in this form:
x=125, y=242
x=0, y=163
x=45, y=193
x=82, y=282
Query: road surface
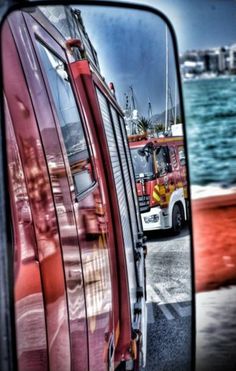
x=216, y=330
x=169, y=305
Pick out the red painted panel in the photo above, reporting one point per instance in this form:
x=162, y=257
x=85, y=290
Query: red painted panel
x=29, y=305
x=42, y=207
x=86, y=92
x=92, y=226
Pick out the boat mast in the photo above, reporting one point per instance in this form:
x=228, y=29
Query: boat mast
x=167, y=72
x=133, y=111
x=132, y=97
x=149, y=109
x=175, y=120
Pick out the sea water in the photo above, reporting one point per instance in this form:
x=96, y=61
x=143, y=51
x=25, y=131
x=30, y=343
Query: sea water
x=210, y=109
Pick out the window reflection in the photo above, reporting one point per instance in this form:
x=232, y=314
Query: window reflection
x=69, y=119
x=182, y=156
x=162, y=157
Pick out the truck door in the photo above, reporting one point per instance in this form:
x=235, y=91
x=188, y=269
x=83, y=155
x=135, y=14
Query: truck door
x=42, y=326
x=182, y=168
x=81, y=208
x=166, y=180
x=28, y=291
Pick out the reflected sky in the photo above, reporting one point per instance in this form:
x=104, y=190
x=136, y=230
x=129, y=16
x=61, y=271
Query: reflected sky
x=199, y=23
x=131, y=47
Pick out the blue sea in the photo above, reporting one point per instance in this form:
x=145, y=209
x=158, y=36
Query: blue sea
x=210, y=108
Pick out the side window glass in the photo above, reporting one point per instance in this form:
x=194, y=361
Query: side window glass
x=173, y=158
x=69, y=119
x=162, y=160
x=182, y=158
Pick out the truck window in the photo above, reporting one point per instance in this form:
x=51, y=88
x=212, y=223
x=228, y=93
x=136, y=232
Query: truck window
x=142, y=164
x=182, y=159
x=162, y=160
x=173, y=158
x=69, y=119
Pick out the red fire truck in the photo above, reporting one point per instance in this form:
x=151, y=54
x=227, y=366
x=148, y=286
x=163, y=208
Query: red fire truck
x=77, y=241
x=160, y=172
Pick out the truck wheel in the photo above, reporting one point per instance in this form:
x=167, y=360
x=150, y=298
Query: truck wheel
x=126, y=366
x=121, y=367
x=177, y=219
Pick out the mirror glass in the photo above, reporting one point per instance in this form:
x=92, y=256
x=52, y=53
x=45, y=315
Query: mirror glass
x=131, y=54
x=135, y=52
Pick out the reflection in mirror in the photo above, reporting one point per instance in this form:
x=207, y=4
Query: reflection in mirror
x=95, y=126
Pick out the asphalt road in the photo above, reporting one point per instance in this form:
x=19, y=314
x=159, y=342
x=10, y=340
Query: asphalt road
x=216, y=330
x=169, y=302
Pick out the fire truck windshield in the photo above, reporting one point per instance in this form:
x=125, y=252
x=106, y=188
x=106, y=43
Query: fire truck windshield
x=142, y=164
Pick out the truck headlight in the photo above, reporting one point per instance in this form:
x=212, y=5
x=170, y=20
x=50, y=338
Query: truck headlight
x=151, y=219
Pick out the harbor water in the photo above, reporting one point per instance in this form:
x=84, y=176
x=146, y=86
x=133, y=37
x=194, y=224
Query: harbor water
x=210, y=108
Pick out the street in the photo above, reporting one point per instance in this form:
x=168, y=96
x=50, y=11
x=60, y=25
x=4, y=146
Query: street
x=216, y=333
x=168, y=301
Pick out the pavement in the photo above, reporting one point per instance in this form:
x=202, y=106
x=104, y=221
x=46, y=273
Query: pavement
x=168, y=302
x=216, y=330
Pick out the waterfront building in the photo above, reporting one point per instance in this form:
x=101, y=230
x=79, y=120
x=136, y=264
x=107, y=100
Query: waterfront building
x=232, y=58
x=213, y=61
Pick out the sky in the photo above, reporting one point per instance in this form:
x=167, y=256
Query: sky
x=131, y=46
x=200, y=24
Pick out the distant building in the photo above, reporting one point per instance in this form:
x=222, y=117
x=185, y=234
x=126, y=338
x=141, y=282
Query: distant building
x=222, y=59
x=214, y=61
x=232, y=58
x=192, y=68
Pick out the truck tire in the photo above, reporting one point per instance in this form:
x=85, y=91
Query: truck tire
x=177, y=219
x=121, y=367
x=124, y=367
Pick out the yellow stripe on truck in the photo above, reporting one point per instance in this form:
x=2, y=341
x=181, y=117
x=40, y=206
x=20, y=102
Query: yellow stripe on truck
x=156, y=193
x=162, y=190
x=156, y=196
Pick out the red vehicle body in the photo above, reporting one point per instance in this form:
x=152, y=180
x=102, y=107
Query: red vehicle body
x=161, y=181
x=77, y=237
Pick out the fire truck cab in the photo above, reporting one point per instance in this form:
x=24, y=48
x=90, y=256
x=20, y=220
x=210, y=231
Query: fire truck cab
x=160, y=172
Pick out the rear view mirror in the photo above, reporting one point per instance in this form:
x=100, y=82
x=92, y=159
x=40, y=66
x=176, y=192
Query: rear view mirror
x=92, y=104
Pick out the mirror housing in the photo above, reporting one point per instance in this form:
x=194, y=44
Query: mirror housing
x=73, y=48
